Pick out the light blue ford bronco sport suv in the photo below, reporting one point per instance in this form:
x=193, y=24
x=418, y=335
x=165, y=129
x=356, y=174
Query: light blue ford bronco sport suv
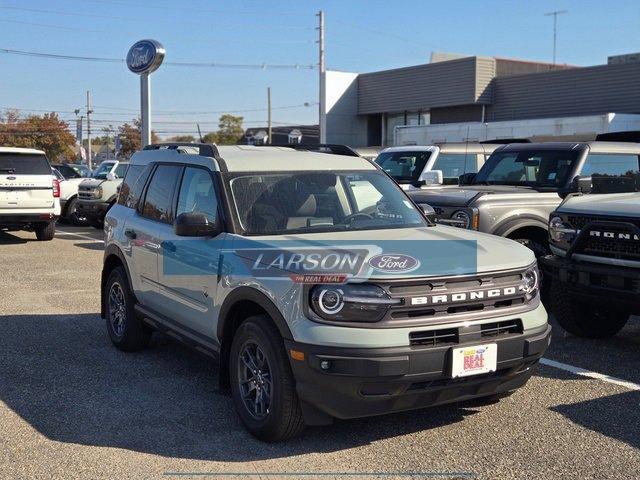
x=321, y=288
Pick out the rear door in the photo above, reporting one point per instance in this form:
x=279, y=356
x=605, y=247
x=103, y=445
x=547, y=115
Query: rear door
x=26, y=181
x=146, y=229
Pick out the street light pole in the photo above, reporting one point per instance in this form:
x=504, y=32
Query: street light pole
x=555, y=14
x=322, y=111
x=89, y=112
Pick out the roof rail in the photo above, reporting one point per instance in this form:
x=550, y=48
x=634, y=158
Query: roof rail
x=332, y=148
x=204, y=149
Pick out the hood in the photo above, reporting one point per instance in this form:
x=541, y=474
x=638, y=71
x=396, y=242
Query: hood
x=91, y=182
x=439, y=250
x=614, y=204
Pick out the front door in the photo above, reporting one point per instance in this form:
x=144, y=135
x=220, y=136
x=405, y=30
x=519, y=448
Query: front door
x=188, y=266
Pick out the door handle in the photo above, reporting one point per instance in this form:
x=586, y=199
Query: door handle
x=131, y=234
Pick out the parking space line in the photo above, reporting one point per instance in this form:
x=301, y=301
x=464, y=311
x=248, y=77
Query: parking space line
x=588, y=373
x=79, y=235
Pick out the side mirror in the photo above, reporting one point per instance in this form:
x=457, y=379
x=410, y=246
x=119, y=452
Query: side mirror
x=111, y=176
x=432, y=177
x=579, y=184
x=466, y=178
x=195, y=224
x=429, y=212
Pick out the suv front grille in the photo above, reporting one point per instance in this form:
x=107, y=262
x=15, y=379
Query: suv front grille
x=619, y=241
x=456, y=297
x=434, y=337
x=454, y=336
x=499, y=329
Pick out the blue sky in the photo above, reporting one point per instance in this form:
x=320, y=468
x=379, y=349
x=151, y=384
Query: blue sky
x=360, y=36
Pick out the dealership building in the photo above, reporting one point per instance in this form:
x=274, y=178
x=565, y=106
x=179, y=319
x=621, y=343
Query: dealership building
x=483, y=99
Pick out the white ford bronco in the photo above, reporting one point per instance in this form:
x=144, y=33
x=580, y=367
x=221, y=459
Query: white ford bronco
x=29, y=193
x=96, y=195
x=319, y=300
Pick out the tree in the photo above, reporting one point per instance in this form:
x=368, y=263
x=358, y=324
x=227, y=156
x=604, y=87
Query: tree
x=210, y=137
x=43, y=132
x=183, y=138
x=230, y=130
x=130, y=138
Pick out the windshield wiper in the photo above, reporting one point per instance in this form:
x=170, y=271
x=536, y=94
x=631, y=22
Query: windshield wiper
x=8, y=170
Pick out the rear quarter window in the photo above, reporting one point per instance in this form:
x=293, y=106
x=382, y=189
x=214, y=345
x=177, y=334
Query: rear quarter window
x=133, y=184
x=24, y=164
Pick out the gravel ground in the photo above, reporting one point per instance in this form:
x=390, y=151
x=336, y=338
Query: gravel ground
x=72, y=406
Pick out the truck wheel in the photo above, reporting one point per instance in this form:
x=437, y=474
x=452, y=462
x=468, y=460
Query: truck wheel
x=126, y=330
x=45, y=232
x=584, y=319
x=262, y=383
x=71, y=213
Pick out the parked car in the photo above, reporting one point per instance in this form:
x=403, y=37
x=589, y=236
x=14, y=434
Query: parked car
x=518, y=187
x=409, y=165
x=69, y=198
x=29, y=193
x=294, y=348
x=98, y=194
x=595, y=263
x=72, y=170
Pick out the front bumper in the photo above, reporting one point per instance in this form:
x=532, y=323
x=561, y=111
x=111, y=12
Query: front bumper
x=596, y=281
x=93, y=210
x=364, y=382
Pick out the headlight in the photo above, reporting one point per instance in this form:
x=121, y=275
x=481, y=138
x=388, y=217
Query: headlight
x=561, y=232
x=462, y=219
x=350, y=302
x=530, y=282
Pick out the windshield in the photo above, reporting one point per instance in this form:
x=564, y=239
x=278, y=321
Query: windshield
x=300, y=202
x=121, y=170
x=102, y=170
x=537, y=169
x=24, y=164
x=403, y=167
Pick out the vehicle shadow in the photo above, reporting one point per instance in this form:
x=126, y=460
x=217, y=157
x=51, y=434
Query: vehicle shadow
x=615, y=416
x=8, y=239
x=61, y=375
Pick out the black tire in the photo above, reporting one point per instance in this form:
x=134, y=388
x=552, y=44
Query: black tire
x=71, y=213
x=283, y=417
x=45, y=232
x=584, y=319
x=126, y=330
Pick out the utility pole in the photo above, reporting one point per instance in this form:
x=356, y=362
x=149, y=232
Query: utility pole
x=322, y=111
x=269, y=114
x=555, y=14
x=89, y=112
x=199, y=132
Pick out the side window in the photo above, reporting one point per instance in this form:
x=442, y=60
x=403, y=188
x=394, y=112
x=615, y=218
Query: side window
x=197, y=193
x=132, y=185
x=608, y=165
x=158, y=201
x=454, y=165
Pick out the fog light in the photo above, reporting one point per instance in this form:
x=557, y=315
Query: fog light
x=325, y=364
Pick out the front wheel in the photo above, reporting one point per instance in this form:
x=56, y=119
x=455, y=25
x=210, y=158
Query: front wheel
x=262, y=383
x=584, y=319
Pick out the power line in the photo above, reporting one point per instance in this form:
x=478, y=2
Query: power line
x=135, y=19
x=262, y=66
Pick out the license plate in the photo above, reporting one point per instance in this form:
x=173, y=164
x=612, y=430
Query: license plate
x=474, y=360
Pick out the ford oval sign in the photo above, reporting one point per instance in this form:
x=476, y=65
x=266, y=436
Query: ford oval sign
x=393, y=263
x=145, y=56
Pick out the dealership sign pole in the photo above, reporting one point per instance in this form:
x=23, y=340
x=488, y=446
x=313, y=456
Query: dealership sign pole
x=145, y=57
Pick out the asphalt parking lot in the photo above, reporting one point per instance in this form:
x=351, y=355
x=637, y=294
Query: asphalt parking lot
x=72, y=406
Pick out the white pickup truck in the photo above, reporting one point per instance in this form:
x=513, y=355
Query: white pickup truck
x=29, y=193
